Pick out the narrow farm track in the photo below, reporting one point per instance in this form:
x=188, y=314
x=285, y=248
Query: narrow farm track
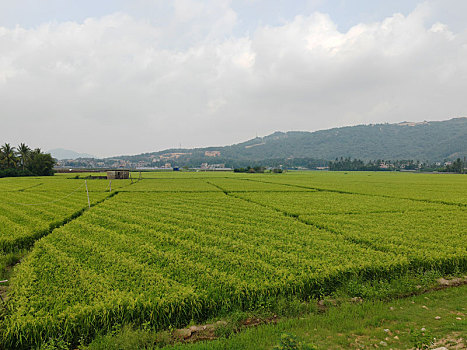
x=29, y=187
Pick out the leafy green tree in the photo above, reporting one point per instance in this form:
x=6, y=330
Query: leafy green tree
x=457, y=166
x=24, y=162
x=23, y=151
x=41, y=163
x=8, y=155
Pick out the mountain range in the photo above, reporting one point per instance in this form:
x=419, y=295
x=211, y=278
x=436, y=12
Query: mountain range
x=425, y=141
x=433, y=141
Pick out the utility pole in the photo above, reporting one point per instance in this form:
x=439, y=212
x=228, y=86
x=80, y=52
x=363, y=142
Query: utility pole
x=87, y=192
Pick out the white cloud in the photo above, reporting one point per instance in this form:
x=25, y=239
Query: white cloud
x=117, y=84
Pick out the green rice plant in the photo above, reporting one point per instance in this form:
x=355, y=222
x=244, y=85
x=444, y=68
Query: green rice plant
x=176, y=248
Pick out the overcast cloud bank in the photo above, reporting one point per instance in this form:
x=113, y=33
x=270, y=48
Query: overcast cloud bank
x=120, y=85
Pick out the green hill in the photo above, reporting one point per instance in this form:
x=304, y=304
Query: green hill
x=428, y=140
x=433, y=141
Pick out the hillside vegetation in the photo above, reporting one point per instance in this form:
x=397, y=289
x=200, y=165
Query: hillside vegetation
x=426, y=141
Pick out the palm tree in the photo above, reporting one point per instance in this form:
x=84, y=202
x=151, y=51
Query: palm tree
x=8, y=154
x=23, y=151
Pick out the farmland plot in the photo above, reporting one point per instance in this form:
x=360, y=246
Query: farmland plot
x=168, y=258
x=179, y=247
x=448, y=188
x=26, y=215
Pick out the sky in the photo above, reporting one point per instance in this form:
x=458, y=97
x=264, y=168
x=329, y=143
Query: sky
x=115, y=77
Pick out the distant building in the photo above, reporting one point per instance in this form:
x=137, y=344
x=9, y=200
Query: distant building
x=212, y=153
x=383, y=166
x=118, y=174
x=221, y=167
x=216, y=166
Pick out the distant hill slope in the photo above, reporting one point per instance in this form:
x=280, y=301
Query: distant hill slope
x=424, y=141
x=60, y=153
x=431, y=141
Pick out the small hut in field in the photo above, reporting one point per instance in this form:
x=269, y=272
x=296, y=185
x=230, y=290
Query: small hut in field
x=118, y=174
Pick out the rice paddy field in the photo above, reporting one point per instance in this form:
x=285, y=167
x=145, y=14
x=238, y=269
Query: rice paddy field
x=173, y=248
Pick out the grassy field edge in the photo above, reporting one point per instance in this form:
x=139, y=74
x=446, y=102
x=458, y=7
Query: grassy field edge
x=393, y=313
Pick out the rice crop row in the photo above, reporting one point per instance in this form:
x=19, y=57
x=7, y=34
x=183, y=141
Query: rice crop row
x=27, y=215
x=169, y=258
x=174, y=248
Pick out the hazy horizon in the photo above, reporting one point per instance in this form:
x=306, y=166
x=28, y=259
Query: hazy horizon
x=238, y=142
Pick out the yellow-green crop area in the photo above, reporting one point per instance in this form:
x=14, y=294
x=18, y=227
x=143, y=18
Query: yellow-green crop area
x=179, y=247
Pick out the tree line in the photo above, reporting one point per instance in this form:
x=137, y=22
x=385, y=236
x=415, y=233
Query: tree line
x=458, y=166
x=348, y=164
x=24, y=161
